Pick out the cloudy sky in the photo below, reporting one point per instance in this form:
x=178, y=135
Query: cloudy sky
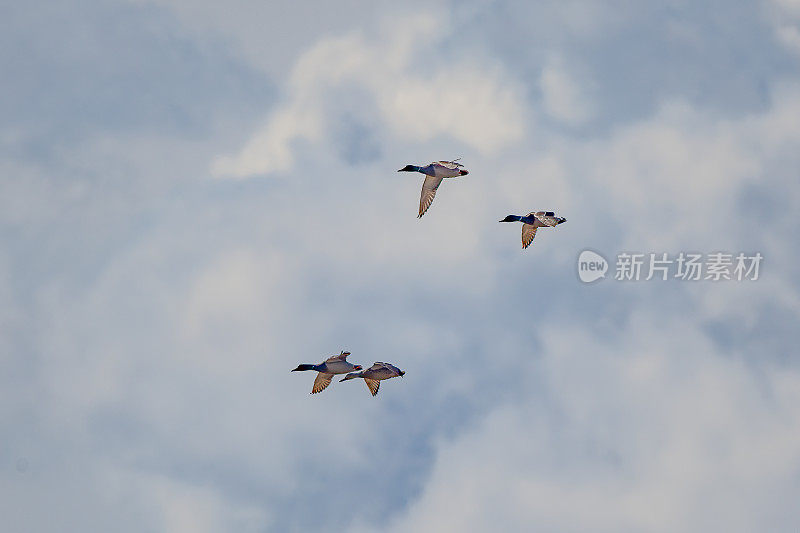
x=196, y=196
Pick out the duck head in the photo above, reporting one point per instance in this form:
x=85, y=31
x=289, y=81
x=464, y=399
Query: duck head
x=351, y=375
x=409, y=168
x=510, y=218
x=561, y=220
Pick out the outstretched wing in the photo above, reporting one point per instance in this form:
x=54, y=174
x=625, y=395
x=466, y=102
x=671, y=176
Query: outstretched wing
x=454, y=164
x=547, y=218
x=386, y=366
x=341, y=357
x=322, y=381
x=528, y=233
x=373, y=385
x=428, y=193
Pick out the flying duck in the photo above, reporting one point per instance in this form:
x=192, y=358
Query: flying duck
x=533, y=221
x=336, y=364
x=434, y=174
x=374, y=374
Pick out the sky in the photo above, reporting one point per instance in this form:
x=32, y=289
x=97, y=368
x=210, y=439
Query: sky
x=196, y=196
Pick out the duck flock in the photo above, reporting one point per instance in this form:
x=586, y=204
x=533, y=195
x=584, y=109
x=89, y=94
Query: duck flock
x=434, y=174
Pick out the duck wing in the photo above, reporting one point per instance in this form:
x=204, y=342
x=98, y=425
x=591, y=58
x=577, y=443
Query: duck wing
x=321, y=382
x=373, y=385
x=388, y=367
x=428, y=193
x=528, y=233
x=547, y=218
x=341, y=357
x=453, y=165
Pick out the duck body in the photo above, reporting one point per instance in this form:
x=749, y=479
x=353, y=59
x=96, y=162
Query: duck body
x=329, y=367
x=438, y=169
x=532, y=222
x=336, y=364
x=375, y=374
x=434, y=174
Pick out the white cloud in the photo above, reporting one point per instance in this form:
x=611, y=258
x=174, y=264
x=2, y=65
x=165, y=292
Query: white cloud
x=785, y=17
x=151, y=318
x=788, y=6
x=233, y=291
x=564, y=96
x=270, y=36
x=679, y=174
x=187, y=507
x=417, y=96
x=654, y=433
x=270, y=149
x=92, y=494
x=789, y=36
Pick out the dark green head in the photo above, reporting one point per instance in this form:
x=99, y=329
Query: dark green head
x=409, y=168
x=511, y=218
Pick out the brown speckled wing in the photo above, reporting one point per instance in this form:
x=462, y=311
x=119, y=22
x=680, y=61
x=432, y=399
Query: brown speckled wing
x=322, y=381
x=528, y=233
x=547, y=219
x=373, y=385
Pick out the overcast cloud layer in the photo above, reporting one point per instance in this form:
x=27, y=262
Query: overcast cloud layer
x=197, y=196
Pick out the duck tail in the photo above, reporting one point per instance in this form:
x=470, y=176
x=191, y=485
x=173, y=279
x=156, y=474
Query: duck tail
x=304, y=367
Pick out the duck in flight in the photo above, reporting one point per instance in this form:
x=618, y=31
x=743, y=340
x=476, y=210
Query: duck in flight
x=336, y=364
x=533, y=221
x=375, y=374
x=434, y=174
